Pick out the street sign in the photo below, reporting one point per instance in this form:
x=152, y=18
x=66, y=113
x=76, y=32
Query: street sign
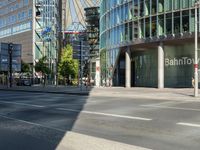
x=4, y=57
x=77, y=47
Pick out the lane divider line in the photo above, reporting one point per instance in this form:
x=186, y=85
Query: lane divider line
x=189, y=124
x=31, y=123
x=105, y=114
x=166, y=107
x=22, y=104
x=166, y=103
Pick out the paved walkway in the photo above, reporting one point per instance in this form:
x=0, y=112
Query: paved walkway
x=85, y=142
x=74, y=90
x=147, y=93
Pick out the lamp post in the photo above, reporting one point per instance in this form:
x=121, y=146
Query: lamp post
x=10, y=49
x=81, y=63
x=197, y=3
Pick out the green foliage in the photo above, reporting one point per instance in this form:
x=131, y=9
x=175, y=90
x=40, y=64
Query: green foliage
x=25, y=67
x=68, y=65
x=103, y=62
x=42, y=66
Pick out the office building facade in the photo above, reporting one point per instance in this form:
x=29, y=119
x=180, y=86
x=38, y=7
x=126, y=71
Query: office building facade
x=35, y=24
x=148, y=43
x=92, y=28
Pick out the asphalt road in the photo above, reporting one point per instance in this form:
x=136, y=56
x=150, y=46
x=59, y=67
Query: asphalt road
x=40, y=121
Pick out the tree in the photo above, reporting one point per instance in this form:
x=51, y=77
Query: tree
x=42, y=66
x=103, y=64
x=68, y=65
x=25, y=67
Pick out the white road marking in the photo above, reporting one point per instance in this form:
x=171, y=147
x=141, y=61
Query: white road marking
x=165, y=103
x=167, y=107
x=105, y=114
x=31, y=123
x=22, y=104
x=189, y=124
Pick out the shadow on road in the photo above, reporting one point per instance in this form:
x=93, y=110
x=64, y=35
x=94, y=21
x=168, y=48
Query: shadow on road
x=37, y=121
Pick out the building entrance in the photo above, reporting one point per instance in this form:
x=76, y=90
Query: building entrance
x=132, y=73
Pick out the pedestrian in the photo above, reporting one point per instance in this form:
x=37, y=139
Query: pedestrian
x=107, y=82
x=104, y=82
x=87, y=82
x=193, y=83
x=110, y=82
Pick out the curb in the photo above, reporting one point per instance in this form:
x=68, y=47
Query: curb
x=51, y=92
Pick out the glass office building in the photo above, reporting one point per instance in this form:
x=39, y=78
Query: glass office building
x=148, y=43
x=33, y=23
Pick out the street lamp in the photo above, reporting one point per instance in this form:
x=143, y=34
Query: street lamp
x=197, y=4
x=10, y=50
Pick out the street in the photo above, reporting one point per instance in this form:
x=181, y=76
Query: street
x=38, y=121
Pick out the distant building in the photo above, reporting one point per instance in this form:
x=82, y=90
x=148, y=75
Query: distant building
x=35, y=24
x=147, y=43
x=76, y=36
x=92, y=17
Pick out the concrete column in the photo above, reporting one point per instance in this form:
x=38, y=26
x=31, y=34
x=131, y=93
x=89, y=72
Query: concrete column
x=128, y=68
x=160, y=66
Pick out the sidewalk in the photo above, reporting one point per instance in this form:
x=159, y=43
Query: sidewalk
x=72, y=90
x=146, y=93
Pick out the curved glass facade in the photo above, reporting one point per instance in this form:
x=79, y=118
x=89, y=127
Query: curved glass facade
x=128, y=23
x=125, y=21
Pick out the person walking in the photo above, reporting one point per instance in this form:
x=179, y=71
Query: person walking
x=87, y=82
x=104, y=83
x=110, y=82
x=193, y=82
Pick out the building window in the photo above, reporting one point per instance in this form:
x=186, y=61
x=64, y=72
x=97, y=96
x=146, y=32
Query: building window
x=169, y=23
x=30, y=13
x=185, y=3
x=147, y=28
x=168, y=5
x=185, y=24
x=154, y=26
x=154, y=7
x=161, y=6
x=26, y=2
x=142, y=10
x=161, y=25
x=126, y=32
x=141, y=28
x=147, y=7
x=130, y=31
x=176, y=4
x=177, y=22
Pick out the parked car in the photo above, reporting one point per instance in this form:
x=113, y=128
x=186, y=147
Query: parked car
x=24, y=82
